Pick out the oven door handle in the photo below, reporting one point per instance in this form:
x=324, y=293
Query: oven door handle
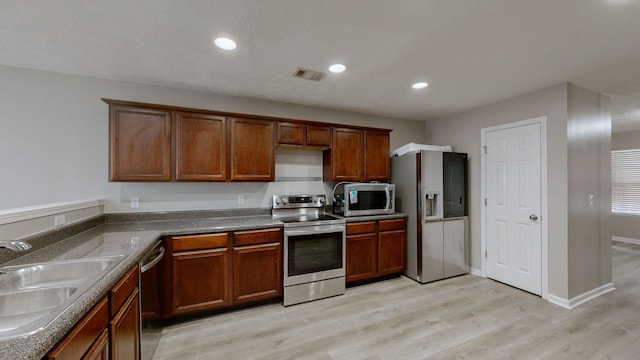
x=314, y=230
x=152, y=260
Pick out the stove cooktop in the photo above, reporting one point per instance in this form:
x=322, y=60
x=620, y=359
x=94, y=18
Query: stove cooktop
x=308, y=218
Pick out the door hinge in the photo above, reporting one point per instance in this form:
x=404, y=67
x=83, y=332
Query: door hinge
x=485, y=254
x=485, y=149
x=485, y=201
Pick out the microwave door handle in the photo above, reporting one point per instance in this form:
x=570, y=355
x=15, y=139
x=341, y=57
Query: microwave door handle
x=388, y=193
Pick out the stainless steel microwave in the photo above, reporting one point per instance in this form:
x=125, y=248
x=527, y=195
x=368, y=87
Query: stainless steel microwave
x=366, y=199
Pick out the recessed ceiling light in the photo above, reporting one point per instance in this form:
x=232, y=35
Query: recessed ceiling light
x=420, y=85
x=337, y=68
x=225, y=43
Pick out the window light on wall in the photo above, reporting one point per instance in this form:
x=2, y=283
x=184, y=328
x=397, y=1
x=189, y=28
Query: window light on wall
x=625, y=181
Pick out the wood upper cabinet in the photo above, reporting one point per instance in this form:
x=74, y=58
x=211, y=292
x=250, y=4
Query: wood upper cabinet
x=344, y=161
x=257, y=265
x=375, y=248
x=139, y=144
x=298, y=134
x=252, y=150
x=200, y=147
x=376, y=156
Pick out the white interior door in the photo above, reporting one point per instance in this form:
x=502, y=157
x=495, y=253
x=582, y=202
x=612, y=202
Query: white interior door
x=513, y=195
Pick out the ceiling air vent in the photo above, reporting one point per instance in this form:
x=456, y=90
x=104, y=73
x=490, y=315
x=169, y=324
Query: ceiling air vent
x=308, y=74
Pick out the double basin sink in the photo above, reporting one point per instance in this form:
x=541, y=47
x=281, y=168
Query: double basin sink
x=32, y=295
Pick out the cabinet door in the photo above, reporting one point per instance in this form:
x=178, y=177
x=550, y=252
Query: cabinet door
x=344, y=161
x=252, y=150
x=291, y=133
x=361, y=257
x=318, y=135
x=100, y=348
x=200, y=280
x=139, y=144
x=125, y=330
x=455, y=262
x=257, y=272
x=376, y=156
x=201, y=147
x=83, y=335
x=391, y=252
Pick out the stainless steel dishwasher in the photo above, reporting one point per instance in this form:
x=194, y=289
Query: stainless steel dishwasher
x=150, y=297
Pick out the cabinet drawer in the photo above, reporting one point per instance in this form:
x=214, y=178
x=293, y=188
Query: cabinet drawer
x=361, y=227
x=257, y=236
x=79, y=340
x=196, y=242
x=387, y=225
x=120, y=291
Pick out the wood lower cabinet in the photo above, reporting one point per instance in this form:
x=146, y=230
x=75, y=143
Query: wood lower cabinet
x=80, y=339
x=199, y=272
x=200, y=147
x=139, y=144
x=257, y=265
x=252, y=150
x=212, y=271
x=124, y=324
x=100, y=348
x=125, y=330
x=375, y=248
x=110, y=330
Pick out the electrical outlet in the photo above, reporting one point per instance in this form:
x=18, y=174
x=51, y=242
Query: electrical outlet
x=135, y=202
x=240, y=199
x=59, y=220
x=591, y=200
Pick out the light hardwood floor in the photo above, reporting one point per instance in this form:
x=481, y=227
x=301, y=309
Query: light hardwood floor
x=466, y=317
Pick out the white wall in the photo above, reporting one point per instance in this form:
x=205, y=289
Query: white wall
x=463, y=132
x=54, y=133
x=54, y=149
x=578, y=139
x=589, y=165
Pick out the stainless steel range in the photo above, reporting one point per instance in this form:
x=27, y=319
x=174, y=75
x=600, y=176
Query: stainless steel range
x=314, y=248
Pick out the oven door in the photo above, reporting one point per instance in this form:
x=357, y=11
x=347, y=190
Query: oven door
x=313, y=253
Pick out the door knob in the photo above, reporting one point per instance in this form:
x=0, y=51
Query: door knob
x=533, y=217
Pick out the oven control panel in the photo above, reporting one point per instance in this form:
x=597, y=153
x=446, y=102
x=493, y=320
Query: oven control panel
x=298, y=201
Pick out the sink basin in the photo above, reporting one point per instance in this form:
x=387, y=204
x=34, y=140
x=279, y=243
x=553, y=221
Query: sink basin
x=20, y=308
x=58, y=273
x=32, y=295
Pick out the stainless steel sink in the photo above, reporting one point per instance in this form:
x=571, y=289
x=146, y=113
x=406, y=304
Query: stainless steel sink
x=20, y=308
x=32, y=295
x=58, y=273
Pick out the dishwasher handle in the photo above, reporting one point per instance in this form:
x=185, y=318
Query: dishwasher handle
x=155, y=258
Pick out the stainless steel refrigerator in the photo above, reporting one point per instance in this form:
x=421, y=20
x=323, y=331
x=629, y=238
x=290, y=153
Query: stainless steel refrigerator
x=431, y=187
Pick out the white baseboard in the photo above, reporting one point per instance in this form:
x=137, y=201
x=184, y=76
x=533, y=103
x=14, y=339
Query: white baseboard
x=476, y=272
x=626, y=239
x=32, y=212
x=582, y=298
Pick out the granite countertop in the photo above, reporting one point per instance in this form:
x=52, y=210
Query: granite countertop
x=131, y=236
x=132, y=239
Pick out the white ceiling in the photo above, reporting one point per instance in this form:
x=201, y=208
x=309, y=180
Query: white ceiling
x=471, y=52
